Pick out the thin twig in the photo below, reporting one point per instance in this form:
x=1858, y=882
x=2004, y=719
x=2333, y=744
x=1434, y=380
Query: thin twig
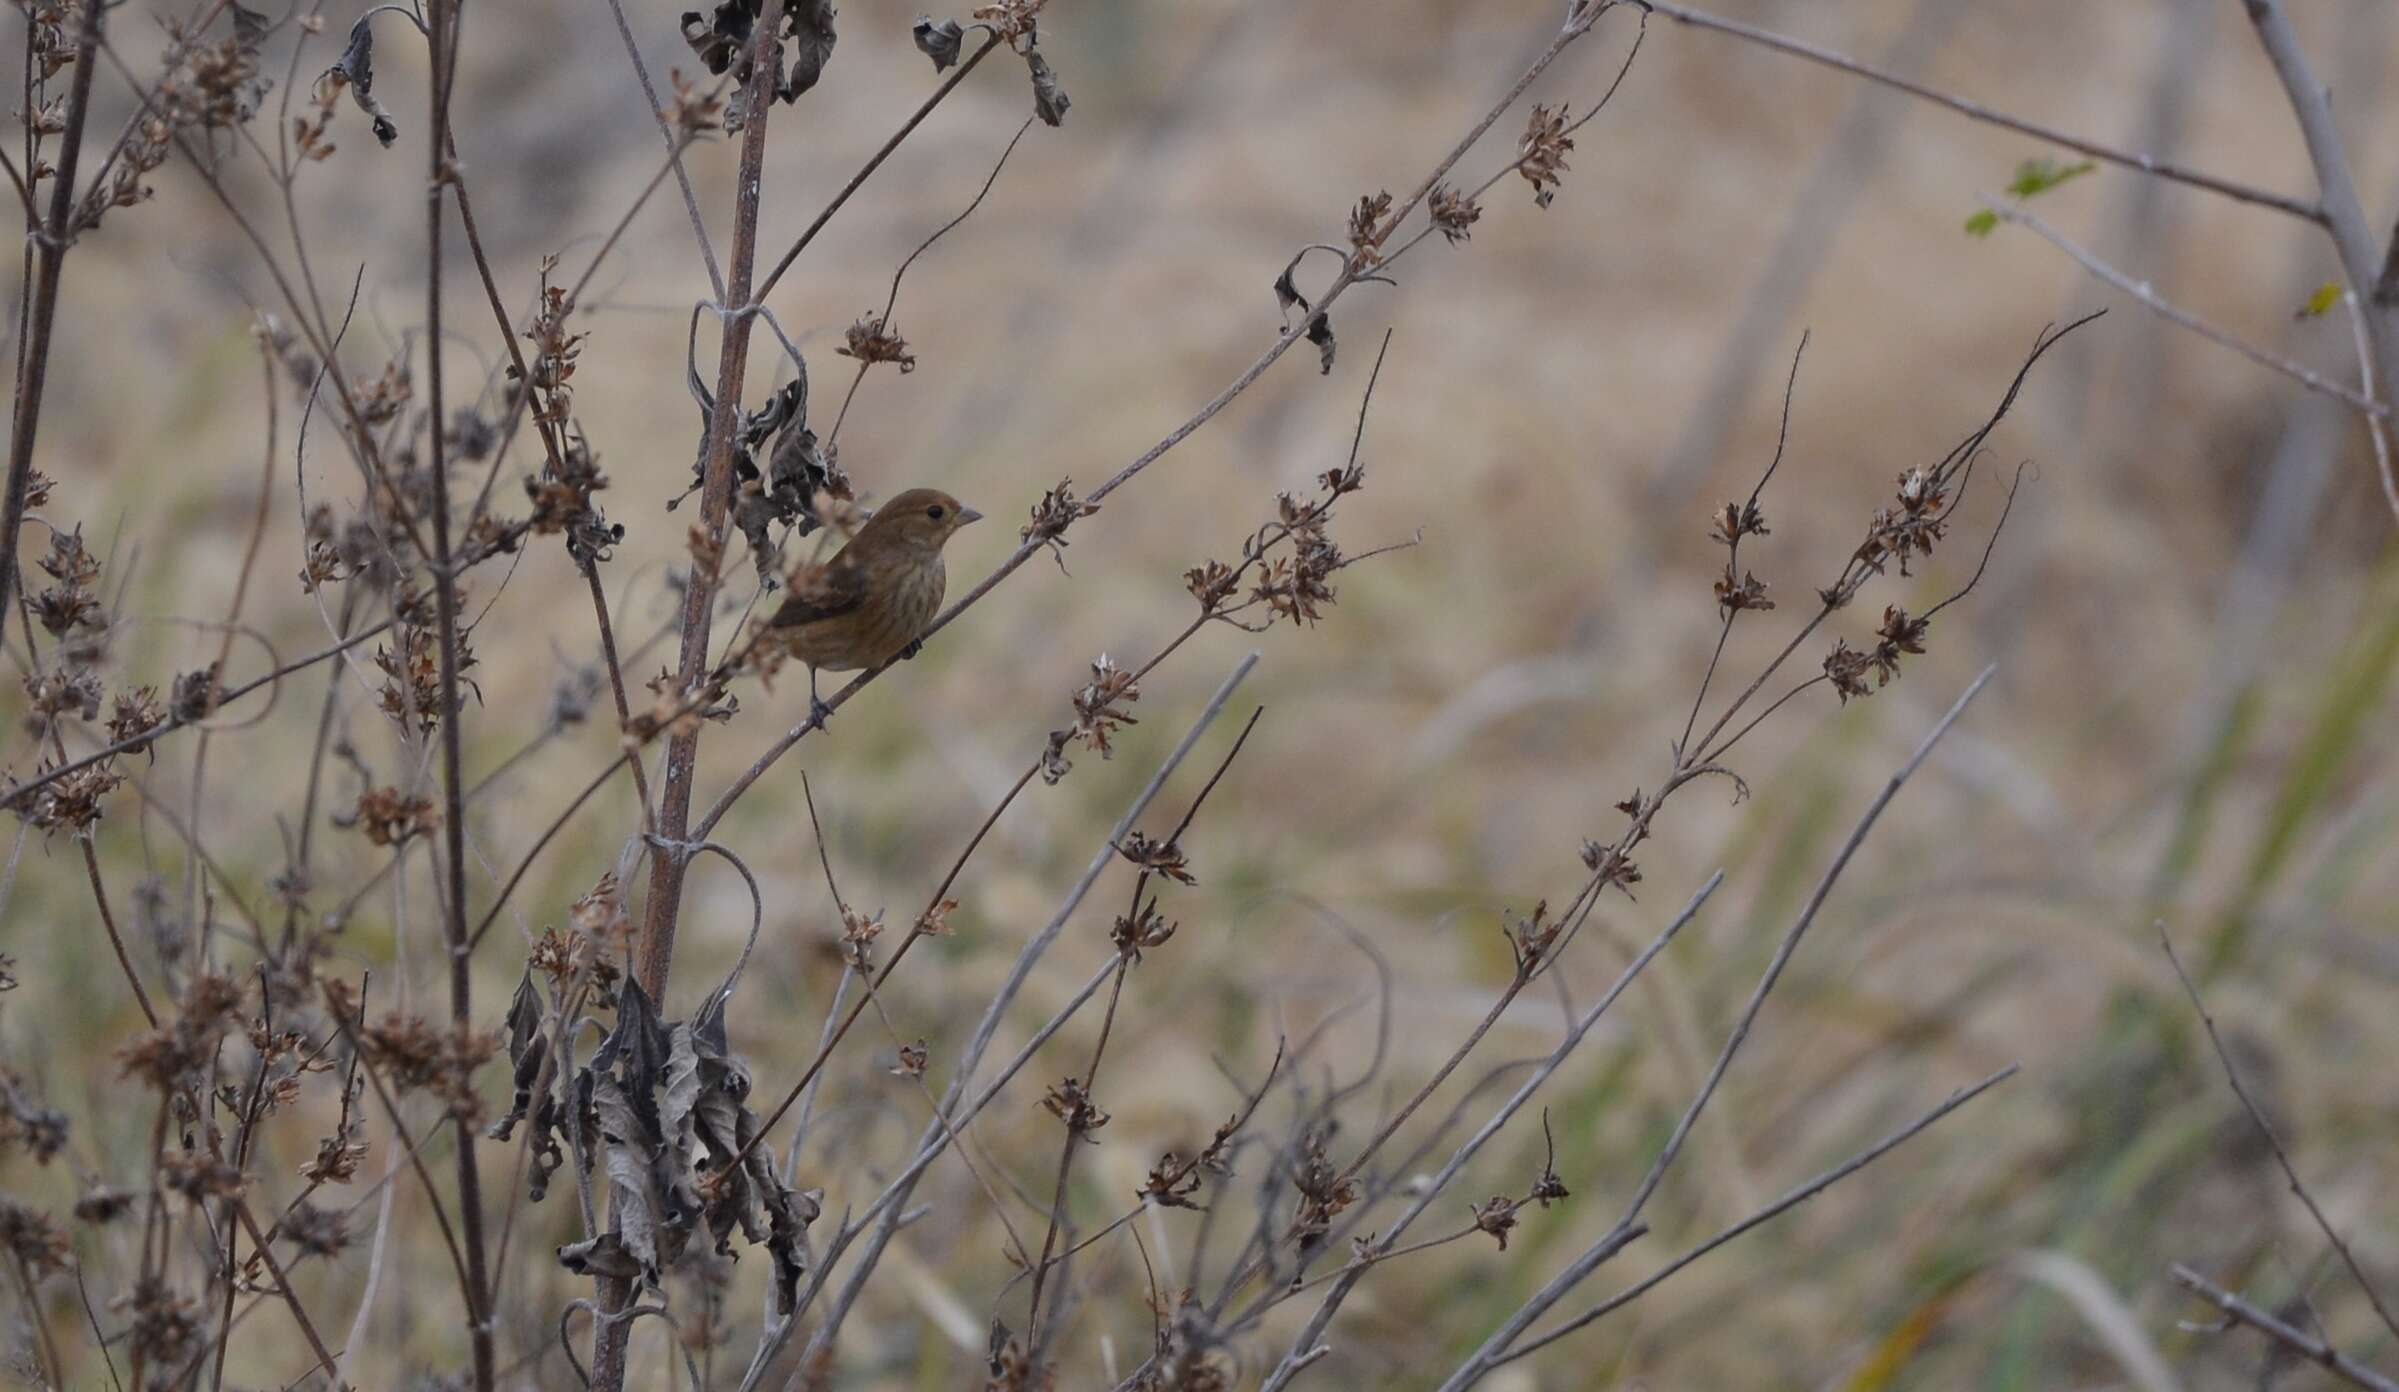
x=2265, y=1128
x=874, y=162
x=2298, y=1341
x=2147, y=164
x=1775, y=1209
x=2008, y=211
x=176, y=722
x=1598, y=1253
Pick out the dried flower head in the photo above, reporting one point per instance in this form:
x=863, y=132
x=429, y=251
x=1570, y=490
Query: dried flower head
x=872, y=340
x=1454, y=213
x=691, y=111
x=414, y=1054
x=1367, y=229
x=1058, y=509
x=1542, y=150
x=1324, y=1192
x=858, y=934
x=390, y=817
x=1156, y=857
x=1737, y=592
x=1099, y=713
x=32, y=1238
x=1846, y=667
x=132, y=713
x=1738, y=520
x=1070, y=1102
x=1496, y=1216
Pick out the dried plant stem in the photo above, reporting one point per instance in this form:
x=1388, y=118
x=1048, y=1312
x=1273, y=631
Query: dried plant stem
x=176, y=722
x=656, y=947
x=1099, y=1049
x=867, y=171
x=886, y=1211
x=53, y=1369
x=283, y=1285
x=442, y=37
x=1382, y=1248
x=2377, y=427
x=616, y=690
x=2308, y=1346
x=916, y=931
x=2009, y=211
x=391, y=1112
x=1780, y=1206
x=2265, y=1128
x=674, y=149
x=2365, y=259
x=116, y=940
x=2147, y=164
x=48, y=246
x=1502, y=1339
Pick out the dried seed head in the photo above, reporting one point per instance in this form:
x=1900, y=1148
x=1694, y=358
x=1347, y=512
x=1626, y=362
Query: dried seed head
x=872, y=340
x=1454, y=213
x=1367, y=230
x=1543, y=150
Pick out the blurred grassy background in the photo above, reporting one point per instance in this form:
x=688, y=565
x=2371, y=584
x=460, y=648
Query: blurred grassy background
x=2193, y=614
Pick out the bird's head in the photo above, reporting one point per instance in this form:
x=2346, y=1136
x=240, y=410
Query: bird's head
x=922, y=517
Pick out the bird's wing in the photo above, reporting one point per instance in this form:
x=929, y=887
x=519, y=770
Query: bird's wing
x=826, y=593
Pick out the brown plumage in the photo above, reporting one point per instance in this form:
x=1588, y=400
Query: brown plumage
x=872, y=601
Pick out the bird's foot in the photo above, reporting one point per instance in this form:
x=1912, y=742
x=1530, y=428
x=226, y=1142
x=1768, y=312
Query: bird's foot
x=818, y=712
x=914, y=647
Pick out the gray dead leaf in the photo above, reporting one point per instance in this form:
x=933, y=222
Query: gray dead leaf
x=357, y=67
x=811, y=23
x=1049, y=99
x=939, y=42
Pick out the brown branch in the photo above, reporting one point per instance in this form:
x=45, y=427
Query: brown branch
x=283, y=1285
x=49, y=250
x=91, y=865
x=442, y=38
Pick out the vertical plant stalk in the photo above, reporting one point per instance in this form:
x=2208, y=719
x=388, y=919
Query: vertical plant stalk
x=655, y=954
x=657, y=949
x=441, y=38
x=50, y=253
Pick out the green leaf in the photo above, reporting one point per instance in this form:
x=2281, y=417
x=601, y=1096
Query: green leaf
x=2327, y=295
x=2038, y=176
x=1981, y=223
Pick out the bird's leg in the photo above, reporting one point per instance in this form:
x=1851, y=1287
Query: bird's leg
x=818, y=711
x=915, y=646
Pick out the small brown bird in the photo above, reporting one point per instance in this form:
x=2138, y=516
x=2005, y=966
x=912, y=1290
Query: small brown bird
x=869, y=605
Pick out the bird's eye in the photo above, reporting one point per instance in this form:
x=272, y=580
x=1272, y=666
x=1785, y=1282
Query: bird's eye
x=934, y=512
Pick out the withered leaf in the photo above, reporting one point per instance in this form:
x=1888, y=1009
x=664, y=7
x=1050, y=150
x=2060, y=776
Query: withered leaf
x=357, y=67
x=1286, y=293
x=811, y=25
x=939, y=42
x=1320, y=333
x=1049, y=99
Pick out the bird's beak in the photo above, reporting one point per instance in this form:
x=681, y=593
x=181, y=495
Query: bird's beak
x=967, y=514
